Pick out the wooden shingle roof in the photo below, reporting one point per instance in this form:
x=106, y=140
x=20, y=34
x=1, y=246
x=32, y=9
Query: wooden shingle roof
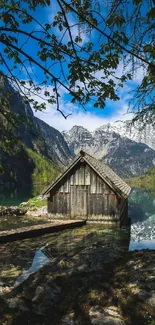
x=108, y=175
x=104, y=171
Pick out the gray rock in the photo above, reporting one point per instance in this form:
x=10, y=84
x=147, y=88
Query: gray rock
x=151, y=300
x=107, y=321
x=12, y=210
x=24, y=204
x=44, y=297
x=38, y=294
x=17, y=303
x=106, y=316
x=69, y=320
x=112, y=311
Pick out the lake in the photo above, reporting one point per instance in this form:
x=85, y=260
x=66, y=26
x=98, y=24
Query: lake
x=142, y=212
x=21, y=258
x=10, y=196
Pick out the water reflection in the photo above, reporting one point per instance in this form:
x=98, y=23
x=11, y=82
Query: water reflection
x=39, y=260
x=142, y=213
x=14, y=196
x=143, y=244
x=141, y=205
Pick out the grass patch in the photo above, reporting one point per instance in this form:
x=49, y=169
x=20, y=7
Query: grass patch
x=36, y=202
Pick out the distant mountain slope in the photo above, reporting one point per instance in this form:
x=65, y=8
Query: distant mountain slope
x=130, y=158
x=23, y=168
x=146, y=181
x=77, y=138
x=56, y=146
x=127, y=157
x=33, y=132
x=27, y=129
x=137, y=131
x=31, y=151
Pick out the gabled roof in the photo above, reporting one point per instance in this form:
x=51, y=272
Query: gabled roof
x=105, y=172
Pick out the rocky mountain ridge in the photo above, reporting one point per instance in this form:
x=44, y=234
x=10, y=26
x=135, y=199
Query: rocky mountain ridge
x=137, y=131
x=127, y=157
x=56, y=147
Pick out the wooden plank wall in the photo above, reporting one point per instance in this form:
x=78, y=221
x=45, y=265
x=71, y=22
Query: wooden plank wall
x=82, y=192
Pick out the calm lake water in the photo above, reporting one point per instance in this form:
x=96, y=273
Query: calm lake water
x=21, y=258
x=142, y=213
x=16, y=196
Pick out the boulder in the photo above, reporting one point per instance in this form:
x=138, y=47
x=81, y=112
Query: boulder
x=107, y=316
x=12, y=211
x=23, y=204
x=45, y=297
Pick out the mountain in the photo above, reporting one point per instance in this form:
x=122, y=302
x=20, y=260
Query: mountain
x=77, y=137
x=130, y=159
x=121, y=145
x=30, y=150
x=55, y=144
x=127, y=157
x=137, y=131
x=34, y=133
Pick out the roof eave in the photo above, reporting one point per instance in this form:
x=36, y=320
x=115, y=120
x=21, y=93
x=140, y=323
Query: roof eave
x=50, y=187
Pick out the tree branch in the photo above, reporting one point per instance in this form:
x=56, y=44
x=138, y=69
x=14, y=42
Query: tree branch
x=57, y=99
x=40, y=66
x=106, y=35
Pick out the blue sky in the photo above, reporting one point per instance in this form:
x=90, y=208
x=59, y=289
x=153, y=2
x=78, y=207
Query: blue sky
x=92, y=117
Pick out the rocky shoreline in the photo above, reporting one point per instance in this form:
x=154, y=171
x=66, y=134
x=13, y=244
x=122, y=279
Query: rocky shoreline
x=25, y=208
x=73, y=290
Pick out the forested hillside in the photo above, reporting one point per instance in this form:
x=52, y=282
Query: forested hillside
x=146, y=181
x=24, y=156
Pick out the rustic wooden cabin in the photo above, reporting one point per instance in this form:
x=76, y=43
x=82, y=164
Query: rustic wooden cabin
x=88, y=189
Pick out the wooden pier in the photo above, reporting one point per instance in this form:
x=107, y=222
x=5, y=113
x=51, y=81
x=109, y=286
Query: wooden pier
x=38, y=230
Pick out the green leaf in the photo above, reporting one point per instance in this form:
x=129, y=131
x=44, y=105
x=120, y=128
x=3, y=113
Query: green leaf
x=46, y=93
x=137, y=2
x=151, y=13
x=6, y=50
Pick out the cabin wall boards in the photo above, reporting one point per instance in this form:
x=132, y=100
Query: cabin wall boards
x=83, y=193
x=88, y=189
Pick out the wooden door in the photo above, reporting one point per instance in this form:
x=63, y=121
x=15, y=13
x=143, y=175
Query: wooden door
x=79, y=201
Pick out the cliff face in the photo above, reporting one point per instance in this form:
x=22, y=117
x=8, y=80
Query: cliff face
x=26, y=129
x=127, y=157
x=136, y=131
x=34, y=133
x=55, y=144
x=17, y=164
x=130, y=159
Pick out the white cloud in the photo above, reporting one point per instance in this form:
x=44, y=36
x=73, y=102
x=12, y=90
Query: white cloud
x=138, y=74
x=89, y=120
x=86, y=119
